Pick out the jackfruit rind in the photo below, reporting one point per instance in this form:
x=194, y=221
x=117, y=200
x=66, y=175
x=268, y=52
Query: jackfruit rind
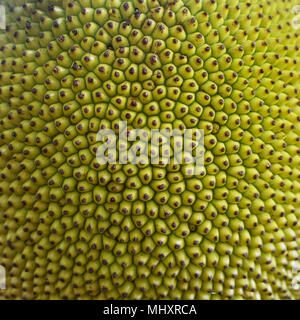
x=73, y=229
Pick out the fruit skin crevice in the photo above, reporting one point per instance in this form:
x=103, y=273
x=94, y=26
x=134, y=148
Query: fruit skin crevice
x=73, y=229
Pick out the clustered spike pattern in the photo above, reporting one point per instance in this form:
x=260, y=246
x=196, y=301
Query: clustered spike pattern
x=73, y=229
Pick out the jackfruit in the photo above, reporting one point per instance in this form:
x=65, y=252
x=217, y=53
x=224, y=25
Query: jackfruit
x=71, y=228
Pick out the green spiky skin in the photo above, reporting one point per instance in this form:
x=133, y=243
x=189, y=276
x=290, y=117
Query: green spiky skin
x=70, y=229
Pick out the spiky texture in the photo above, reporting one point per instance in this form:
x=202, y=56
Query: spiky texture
x=73, y=229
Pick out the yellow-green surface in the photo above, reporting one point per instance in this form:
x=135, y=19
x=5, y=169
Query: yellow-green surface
x=73, y=229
